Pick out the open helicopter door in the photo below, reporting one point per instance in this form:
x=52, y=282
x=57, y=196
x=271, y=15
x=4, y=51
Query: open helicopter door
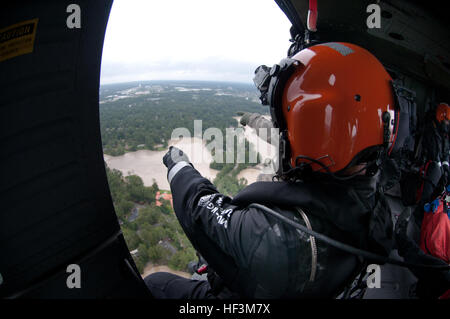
x=57, y=220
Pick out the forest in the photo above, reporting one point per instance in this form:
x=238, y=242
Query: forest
x=143, y=115
x=155, y=232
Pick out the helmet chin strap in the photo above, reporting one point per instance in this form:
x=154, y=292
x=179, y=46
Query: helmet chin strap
x=386, y=117
x=303, y=170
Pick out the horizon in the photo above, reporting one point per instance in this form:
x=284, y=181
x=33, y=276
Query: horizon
x=200, y=40
x=179, y=80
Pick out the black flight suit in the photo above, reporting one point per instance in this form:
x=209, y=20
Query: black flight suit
x=254, y=255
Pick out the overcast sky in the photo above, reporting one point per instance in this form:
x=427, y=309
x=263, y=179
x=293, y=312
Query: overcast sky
x=192, y=39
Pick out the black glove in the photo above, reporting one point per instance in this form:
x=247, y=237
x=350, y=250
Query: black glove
x=173, y=156
x=245, y=118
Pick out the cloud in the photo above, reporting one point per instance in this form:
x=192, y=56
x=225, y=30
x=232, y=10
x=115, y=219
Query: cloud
x=192, y=40
x=211, y=69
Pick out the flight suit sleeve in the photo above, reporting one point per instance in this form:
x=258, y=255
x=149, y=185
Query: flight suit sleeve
x=201, y=208
x=229, y=236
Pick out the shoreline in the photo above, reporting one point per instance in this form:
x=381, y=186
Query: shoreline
x=151, y=269
x=148, y=165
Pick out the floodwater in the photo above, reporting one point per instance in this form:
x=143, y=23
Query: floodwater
x=149, y=166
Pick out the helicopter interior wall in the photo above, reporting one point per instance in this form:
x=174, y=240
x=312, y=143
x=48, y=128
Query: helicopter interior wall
x=413, y=40
x=56, y=208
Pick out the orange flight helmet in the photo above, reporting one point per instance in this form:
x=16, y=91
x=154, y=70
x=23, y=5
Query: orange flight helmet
x=337, y=103
x=442, y=112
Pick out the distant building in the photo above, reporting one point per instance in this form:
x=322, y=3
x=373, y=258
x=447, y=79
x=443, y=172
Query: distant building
x=164, y=196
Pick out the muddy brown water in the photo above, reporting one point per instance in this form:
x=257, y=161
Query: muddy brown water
x=149, y=166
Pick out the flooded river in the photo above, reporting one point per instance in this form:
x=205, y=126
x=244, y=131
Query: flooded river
x=149, y=166
x=266, y=150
